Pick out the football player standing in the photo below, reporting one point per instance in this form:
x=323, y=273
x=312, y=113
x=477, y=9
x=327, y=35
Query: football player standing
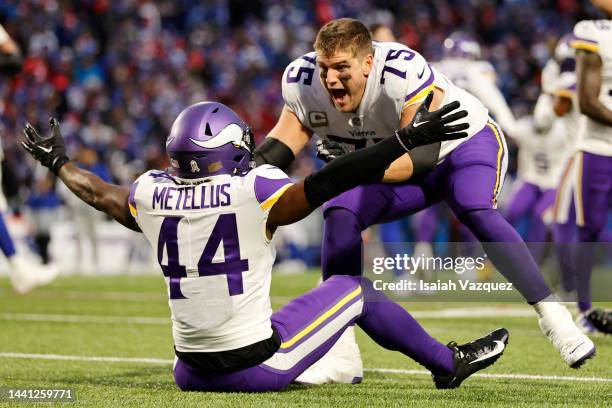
x=593, y=184
x=24, y=274
x=364, y=91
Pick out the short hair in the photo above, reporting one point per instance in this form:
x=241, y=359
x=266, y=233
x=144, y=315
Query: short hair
x=345, y=34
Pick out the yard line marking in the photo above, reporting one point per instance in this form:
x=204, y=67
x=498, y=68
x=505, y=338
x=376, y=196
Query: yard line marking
x=95, y=319
x=102, y=359
x=503, y=376
x=109, y=359
x=102, y=319
x=475, y=312
x=102, y=295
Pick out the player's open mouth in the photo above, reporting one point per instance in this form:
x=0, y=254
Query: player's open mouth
x=339, y=95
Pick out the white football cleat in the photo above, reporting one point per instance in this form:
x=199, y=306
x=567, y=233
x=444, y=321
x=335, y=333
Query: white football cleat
x=557, y=324
x=26, y=275
x=341, y=365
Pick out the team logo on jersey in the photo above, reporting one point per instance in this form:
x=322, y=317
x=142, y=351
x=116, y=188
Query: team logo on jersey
x=318, y=119
x=194, y=166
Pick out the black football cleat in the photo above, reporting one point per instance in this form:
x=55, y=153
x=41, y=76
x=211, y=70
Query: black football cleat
x=473, y=356
x=601, y=320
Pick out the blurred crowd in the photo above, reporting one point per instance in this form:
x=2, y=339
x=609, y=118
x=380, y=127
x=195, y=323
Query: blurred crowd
x=117, y=72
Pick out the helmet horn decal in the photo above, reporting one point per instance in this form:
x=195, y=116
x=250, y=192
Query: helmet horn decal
x=232, y=133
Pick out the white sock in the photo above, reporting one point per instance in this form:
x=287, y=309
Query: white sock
x=551, y=302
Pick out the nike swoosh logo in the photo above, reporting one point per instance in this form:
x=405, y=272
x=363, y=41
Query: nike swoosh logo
x=499, y=347
x=416, y=125
x=421, y=74
x=45, y=149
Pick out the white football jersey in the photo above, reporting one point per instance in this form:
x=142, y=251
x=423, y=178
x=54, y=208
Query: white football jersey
x=596, y=36
x=479, y=79
x=541, y=156
x=401, y=77
x=209, y=236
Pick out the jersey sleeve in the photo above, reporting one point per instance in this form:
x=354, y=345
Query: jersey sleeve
x=420, y=80
x=132, y=200
x=298, y=75
x=550, y=76
x=586, y=37
x=524, y=130
x=142, y=194
x=566, y=85
x=269, y=184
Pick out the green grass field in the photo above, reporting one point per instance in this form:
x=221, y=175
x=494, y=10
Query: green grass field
x=127, y=318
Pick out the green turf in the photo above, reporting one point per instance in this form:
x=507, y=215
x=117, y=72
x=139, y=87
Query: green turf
x=138, y=384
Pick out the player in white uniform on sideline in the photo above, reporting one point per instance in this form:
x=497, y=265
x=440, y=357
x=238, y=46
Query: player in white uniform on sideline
x=546, y=142
x=593, y=183
x=558, y=104
x=211, y=220
x=24, y=274
x=463, y=66
x=366, y=89
x=541, y=158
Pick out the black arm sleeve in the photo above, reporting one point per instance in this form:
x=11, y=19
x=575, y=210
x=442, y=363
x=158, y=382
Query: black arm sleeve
x=359, y=167
x=424, y=158
x=10, y=64
x=273, y=151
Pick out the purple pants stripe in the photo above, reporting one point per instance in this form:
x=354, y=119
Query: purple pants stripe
x=564, y=203
x=500, y=172
x=301, y=303
x=315, y=326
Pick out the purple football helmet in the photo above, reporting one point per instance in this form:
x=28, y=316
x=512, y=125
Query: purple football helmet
x=461, y=45
x=208, y=139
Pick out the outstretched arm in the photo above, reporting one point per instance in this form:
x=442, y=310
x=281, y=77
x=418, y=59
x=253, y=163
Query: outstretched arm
x=106, y=197
x=10, y=56
x=589, y=87
x=286, y=139
x=366, y=165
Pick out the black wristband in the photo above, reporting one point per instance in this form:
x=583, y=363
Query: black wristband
x=273, y=151
x=10, y=64
x=424, y=159
x=359, y=167
x=58, y=163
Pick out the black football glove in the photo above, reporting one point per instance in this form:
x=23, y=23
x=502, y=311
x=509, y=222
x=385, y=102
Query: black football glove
x=432, y=127
x=50, y=152
x=328, y=150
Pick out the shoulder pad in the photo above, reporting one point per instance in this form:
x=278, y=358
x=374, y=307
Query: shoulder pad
x=589, y=33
